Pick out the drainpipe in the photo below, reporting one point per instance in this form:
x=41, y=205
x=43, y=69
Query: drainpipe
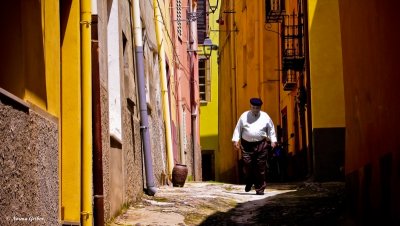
x=235, y=104
x=98, y=192
x=180, y=118
x=144, y=122
x=193, y=92
x=310, y=154
x=86, y=80
x=164, y=89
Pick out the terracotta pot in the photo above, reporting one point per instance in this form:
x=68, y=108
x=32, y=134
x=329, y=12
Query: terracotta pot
x=179, y=174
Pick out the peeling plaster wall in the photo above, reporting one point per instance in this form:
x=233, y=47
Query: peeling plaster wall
x=105, y=136
x=131, y=139
x=29, y=168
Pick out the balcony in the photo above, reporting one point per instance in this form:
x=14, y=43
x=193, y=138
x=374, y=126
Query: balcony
x=289, y=80
x=292, y=42
x=292, y=60
x=274, y=9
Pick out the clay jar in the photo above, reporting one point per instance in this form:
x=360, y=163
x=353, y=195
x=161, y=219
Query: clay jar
x=179, y=174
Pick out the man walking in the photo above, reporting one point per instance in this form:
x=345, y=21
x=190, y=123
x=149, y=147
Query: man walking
x=253, y=131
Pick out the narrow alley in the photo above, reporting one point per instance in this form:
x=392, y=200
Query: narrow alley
x=212, y=203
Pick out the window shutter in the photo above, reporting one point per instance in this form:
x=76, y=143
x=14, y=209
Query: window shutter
x=201, y=21
x=204, y=80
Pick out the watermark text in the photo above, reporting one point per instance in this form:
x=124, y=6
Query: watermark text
x=28, y=219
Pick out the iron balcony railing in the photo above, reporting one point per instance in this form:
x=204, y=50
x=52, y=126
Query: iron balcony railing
x=292, y=42
x=274, y=10
x=289, y=80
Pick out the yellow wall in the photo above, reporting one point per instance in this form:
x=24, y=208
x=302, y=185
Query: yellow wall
x=34, y=66
x=169, y=48
x=326, y=68
x=52, y=55
x=42, y=66
x=227, y=115
x=209, y=110
x=31, y=53
x=71, y=112
x=169, y=52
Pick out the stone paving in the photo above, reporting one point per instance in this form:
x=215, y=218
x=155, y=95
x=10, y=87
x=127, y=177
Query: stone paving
x=211, y=203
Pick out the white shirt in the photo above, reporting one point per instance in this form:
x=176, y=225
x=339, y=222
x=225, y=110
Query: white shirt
x=254, y=128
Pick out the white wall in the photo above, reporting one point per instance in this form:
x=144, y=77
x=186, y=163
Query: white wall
x=114, y=82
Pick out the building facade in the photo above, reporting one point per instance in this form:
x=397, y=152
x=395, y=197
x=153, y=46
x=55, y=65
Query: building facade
x=271, y=50
x=182, y=60
x=248, y=67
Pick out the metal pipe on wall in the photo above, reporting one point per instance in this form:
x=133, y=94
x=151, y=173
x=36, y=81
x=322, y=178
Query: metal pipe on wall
x=232, y=58
x=87, y=147
x=193, y=91
x=144, y=122
x=164, y=87
x=98, y=191
x=310, y=153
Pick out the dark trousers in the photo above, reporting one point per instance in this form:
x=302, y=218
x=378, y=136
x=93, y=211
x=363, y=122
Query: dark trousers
x=254, y=156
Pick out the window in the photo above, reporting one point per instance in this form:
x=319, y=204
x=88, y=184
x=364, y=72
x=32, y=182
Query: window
x=204, y=80
x=179, y=17
x=274, y=10
x=114, y=73
x=202, y=20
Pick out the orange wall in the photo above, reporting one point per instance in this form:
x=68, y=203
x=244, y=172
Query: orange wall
x=370, y=56
x=248, y=68
x=371, y=73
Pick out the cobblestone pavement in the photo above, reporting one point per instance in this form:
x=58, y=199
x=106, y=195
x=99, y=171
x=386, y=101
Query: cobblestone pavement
x=210, y=203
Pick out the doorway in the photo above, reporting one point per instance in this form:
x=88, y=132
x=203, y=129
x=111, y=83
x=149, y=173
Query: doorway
x=208, y=165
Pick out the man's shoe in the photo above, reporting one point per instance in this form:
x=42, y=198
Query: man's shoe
x=260, y=191
x=248, y=187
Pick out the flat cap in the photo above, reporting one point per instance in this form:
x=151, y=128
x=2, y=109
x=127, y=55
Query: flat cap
x=256, y=101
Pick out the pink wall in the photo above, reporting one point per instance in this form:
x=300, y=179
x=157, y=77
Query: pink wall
x=183, y=72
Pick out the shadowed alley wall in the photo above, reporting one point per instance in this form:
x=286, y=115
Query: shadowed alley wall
x=371, y=83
